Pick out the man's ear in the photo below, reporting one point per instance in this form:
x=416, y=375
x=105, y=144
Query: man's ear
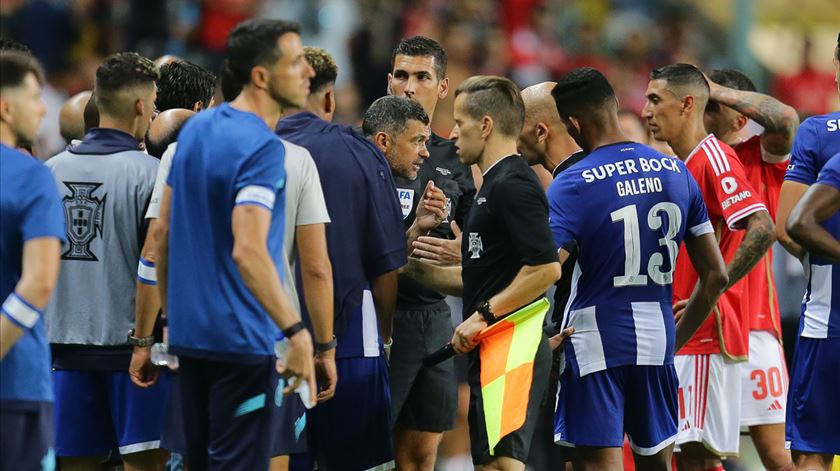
x=443, y=88
x=487, y=126
x=688, y=103
x=740, y=122
x=197, y=106
x=259, y=77
x=329, y=101
x=139, y=107
x=542, y=132
x=575, y=124
x=6, y=111
x=382, y=141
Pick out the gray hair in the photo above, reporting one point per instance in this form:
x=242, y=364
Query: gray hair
x=391, y=114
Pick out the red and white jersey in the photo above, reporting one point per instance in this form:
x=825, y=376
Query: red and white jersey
x=729, y=198
x=762, y=304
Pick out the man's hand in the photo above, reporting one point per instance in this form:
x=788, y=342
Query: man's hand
x=431, y=210
x=679, y=309
x=464, y=338
x=439, y=251
x=299, y=365
x=143, y=373
x=326, y=375
x=557, y=340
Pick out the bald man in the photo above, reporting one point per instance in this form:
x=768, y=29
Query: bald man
x=545, y=144
x=166, y=59
x=544, y=140
x=71, y=117
x=164, y=130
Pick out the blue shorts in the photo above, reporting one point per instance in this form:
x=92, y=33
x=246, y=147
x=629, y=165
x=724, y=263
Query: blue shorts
x=812, y=422
x=97, y=411
x=597, y=409
x=288, y=419
x=226, y=407
x=352, y=431
x=26, y=436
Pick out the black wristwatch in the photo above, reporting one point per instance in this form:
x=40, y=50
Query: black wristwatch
x=487, y=313
x=327, y=346
x=140, y=341
x=290, y=331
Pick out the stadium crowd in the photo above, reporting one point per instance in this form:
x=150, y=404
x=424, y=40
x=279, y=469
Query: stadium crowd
x=243, y=284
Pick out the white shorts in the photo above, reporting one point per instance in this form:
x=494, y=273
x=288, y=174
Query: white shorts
x=764, y=382
x=708, y=399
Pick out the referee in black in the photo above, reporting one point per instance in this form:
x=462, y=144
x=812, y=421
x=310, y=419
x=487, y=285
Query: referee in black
x=508, y=254
x=424, y=400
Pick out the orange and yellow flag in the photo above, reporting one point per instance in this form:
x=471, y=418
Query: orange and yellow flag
x=507, y=352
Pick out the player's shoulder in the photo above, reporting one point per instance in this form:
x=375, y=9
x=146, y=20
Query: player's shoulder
x=713, y=154
x=750, y=147
x=829, y=122
x=16, y=163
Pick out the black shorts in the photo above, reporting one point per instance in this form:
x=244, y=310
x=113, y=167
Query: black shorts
x=26, y=436
x=517, y=444
x=228, y=409
x=422, y=398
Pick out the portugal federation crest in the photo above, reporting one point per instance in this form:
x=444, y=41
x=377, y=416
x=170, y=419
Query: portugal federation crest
x=85, y=216
x=476, y=246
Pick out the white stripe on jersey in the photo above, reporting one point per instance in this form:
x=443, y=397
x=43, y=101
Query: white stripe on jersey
x=710, y=156
x=702, y=228
x=723, y=159
x=651, y=342
x=370, y=327
x=589, y=350
x=742, y=213
x=817, y=302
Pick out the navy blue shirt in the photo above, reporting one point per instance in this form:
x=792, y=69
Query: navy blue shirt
x=225, y=157
x=29, y=208
x=366, y=237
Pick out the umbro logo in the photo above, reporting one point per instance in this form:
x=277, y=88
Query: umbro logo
x=776, y=405
x=443, y=171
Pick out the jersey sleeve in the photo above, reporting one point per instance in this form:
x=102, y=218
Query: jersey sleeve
x=42, y=214
x=312, y=208
x=523, y=209
x=727, y=181
x=564, y=212
x=160, y=181
x=803, y=159
x=385, y=244
x=830, y=173
x=465, y=202
x=697, y=216
x=261, y=176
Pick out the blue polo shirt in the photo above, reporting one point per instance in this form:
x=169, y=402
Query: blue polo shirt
x=30, y=208
x=366, y=237
x=225, y=158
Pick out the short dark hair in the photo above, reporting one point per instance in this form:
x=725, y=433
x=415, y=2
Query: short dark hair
x=582, y=92
x=497, y=97
x=15, y=66
x=326, y=70
x=391, y=114
x=182, y=84
x=253, y=43
x=732, y=78
x=231, y=88
x=119, y=72
x=681, y=76
x=7, y=44
x=419, y=46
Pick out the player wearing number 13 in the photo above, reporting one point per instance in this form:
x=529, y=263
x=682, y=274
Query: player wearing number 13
x=628, y=208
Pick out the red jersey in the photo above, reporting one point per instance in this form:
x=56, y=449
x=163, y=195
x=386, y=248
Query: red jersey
x=762, y=303
x=729, y=198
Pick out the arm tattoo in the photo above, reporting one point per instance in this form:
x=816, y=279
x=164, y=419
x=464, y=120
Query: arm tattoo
x=767, y=111
x=760, y=236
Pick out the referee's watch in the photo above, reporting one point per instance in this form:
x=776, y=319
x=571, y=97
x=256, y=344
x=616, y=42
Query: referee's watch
x=487, y=313
x=140, y=341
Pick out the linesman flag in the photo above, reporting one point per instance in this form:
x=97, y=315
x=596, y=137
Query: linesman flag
x=507, y=350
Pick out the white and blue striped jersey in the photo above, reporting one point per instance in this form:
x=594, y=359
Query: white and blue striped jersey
x=628, y=208
x=821, y=305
